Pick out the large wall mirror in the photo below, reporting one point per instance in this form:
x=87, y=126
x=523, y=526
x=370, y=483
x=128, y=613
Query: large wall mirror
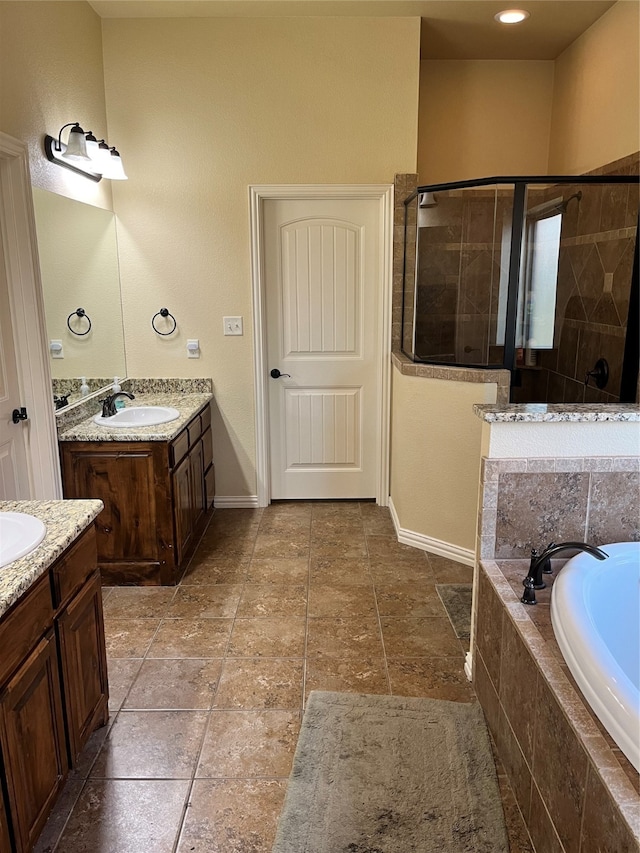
x=78, y=252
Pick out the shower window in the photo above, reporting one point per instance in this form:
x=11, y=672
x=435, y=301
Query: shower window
x=500, y=271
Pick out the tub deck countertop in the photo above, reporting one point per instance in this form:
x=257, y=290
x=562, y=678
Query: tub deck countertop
x=187, y=404
x=65, y=521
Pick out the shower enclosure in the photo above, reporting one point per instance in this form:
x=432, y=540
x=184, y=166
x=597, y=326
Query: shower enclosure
x=538, y=275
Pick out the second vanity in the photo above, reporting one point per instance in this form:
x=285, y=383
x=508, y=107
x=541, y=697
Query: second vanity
x=53, y=666
x=156, y=483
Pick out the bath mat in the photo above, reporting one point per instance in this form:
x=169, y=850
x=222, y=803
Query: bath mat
x=384, y=774
x=456, y=598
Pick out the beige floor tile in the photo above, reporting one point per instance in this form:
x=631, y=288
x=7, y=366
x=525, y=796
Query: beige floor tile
x=337, y=526
x=205, y=602
x=388, y=548
x=214, y=570
x=346, y=676
x=246, y=744
x=388, y=572
x=272, y=600
x=347, y=547
x=138, y=602
x=341, y=600
x=338, y=570
x=448, y=571
x=232, y=816
x=358, y=637
x=433, y=677
x=287, y=509
x=260, y=683
x=285, y=544
x=276, y=638
x=283, y=570
x=129, y=638
x=122, y=673
x=58, y=818
x=151, y=745
x=185, y=684
x=409, y=600
x=342, y=509
x=422, y=637
x=285, y=524
x=191, y=638
x=126, y=816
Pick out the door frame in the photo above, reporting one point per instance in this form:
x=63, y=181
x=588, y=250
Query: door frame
x=383, y=193
x=22, y=266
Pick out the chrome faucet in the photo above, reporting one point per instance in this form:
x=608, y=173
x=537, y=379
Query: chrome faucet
x=541, y=564
x=109, y=403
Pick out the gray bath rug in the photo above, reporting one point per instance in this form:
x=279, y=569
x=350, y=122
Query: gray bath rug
x=383, y=774
x=456, y=598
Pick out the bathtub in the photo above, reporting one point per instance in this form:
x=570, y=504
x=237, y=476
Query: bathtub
x=595, y=613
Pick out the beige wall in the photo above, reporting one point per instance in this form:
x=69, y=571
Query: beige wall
x=51, y=74
x=203, y=109
x=479, y=118
x=435, y=457
x=596, y=105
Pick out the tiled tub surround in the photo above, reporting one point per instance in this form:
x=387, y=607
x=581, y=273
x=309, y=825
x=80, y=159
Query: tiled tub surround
x=65, y=520
x=576, y=791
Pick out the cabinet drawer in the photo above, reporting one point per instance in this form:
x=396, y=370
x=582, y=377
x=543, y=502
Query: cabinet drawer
x=21, y=629
x=207, y=445
x=179, y=447
x=71, y=570
x=195, y=430
x=205, y=417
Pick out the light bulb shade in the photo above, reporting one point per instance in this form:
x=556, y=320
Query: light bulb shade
x=114, y=170
x=76, y=146
x=92, y=149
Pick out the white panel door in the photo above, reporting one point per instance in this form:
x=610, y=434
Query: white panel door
x=14, y=471
x=323, y=292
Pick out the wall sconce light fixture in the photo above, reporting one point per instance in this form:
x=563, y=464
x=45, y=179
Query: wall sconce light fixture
x=85, y=154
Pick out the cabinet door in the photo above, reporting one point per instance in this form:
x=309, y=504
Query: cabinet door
x=5, y=841
x=182, y=497
x=198, y=498
x=84, y=665
x=33, y=741
x=124, y=481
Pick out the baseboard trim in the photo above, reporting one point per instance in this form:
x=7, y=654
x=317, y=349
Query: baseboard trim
x=235, y=501
x=426, y=543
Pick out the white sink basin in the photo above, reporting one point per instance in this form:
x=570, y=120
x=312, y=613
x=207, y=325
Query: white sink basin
x=139, y=416
x=19, y=535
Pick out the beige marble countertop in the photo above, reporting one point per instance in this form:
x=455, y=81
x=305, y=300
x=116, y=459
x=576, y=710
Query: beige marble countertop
x=187, y=404
x=65, y=521
x=557, y=412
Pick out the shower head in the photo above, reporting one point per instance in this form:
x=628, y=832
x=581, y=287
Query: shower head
x=427, y=199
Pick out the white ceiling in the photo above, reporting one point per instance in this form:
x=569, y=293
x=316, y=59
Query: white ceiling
x=451, y=29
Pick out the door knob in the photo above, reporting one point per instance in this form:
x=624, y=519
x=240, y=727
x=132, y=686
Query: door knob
x=275, y=374
x=19, y=415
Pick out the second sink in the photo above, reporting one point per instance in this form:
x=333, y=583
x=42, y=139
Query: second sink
x=139, y=416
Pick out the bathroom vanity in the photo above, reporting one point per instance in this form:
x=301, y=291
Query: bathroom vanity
x=53, y=669
x=157, y=486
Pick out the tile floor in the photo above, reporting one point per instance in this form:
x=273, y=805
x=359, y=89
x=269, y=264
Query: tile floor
x=208, y=679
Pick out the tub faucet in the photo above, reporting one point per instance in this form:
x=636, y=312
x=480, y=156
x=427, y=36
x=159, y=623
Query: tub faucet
x=541, y=564
x=109, y=403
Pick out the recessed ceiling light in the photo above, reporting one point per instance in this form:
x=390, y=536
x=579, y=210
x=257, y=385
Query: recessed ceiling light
x=511, y=16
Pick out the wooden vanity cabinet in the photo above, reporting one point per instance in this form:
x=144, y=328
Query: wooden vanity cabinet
x=156, y=497
x=52, y=668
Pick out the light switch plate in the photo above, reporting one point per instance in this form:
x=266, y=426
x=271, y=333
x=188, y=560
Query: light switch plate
x=233, y=325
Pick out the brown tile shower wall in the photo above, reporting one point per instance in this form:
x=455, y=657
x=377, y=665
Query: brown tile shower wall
x=403, y=186
x=596, y=257
x=576, y=794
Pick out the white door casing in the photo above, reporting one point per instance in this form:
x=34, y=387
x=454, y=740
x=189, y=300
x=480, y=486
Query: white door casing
x=21, y=278
x=321, y=264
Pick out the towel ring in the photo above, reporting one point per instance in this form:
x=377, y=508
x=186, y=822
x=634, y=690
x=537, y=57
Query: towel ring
x=163, y=312
x=79, y=312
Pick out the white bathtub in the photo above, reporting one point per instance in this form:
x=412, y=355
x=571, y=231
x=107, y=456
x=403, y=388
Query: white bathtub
x=595, y=613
